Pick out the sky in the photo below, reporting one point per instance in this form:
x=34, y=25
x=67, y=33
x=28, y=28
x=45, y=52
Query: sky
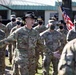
x=49, y=2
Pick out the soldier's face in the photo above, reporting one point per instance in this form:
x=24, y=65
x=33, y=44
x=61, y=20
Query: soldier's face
x=30, y=21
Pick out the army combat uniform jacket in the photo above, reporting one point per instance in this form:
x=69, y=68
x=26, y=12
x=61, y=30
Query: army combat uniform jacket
x=24, y=56
x=67, y=63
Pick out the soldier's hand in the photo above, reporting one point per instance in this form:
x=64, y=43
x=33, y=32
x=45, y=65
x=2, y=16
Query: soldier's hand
x=56, y=54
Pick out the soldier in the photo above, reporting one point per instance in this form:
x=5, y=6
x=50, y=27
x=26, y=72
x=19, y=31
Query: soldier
x=18, y=24
x=67, y=63
x=72, y=33
x=3, y=31
x=27, y=39
x=2, y=54
x=49, y=23
x=40, y=28
x=52, y=39
x=54, y=21
x=12, y=30
x=63, y=31
x=9, y=26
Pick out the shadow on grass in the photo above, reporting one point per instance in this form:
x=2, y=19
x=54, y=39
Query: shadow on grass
x=38, y=74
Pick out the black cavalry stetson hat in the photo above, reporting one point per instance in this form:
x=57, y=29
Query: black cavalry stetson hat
x=29, y=15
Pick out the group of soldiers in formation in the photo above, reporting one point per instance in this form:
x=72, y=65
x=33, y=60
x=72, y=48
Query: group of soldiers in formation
x=26, y=42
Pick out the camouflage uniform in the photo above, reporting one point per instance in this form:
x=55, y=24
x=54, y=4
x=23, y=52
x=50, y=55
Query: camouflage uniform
x=24, y=55
x=39, y=28
x=67, y=63
x=52, y=40
x=64, y=34
x=14, y=43
x=9, y=26
x=3, y=27
x=2, y=54
x=12, y=30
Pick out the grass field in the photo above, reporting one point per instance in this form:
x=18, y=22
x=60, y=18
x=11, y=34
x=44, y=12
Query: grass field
x=39, y=69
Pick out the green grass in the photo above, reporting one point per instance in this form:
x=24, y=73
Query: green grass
x=7, y=62
x=39, y=69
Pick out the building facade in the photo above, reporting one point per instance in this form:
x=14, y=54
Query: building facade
x=45, y=11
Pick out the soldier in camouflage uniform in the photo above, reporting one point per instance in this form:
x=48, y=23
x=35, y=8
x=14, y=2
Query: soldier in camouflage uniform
x=3, y=32
x=54, y=21
x=64, y=34
x=12, y=30
x=27, y=39
x=52, y=39
x=72, y=33
x=67, y=62
x=40, y=28
x=9, y=26
x=16, y=27
x=2, y=54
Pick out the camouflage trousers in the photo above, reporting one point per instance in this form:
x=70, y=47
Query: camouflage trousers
x=2, y=61
x=10, y=53
x=46, y=64
x=22, y=69
x=23, y=65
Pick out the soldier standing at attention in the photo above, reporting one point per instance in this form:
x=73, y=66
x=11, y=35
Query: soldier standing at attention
x=2, y=54
x=53, y=40
x=9, y=26
x=27, y=39
x=14, y=43
x=18, y=22
x=40, y=27
x=63, y=31
x=3, y=31
x=67, y=62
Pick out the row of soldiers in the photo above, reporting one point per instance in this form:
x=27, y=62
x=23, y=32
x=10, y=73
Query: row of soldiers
x=28, y=42
x=5, y=31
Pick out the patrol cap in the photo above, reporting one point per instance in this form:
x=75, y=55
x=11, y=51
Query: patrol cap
x=50, y=21
x=39, y=19
x=30, y=15
x=52, y=18
x=13, y=16
x=19, y=19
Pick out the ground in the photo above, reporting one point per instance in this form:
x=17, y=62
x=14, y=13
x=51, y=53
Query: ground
x=9, y=71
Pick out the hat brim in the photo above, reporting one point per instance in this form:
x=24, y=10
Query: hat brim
x=33, y=17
